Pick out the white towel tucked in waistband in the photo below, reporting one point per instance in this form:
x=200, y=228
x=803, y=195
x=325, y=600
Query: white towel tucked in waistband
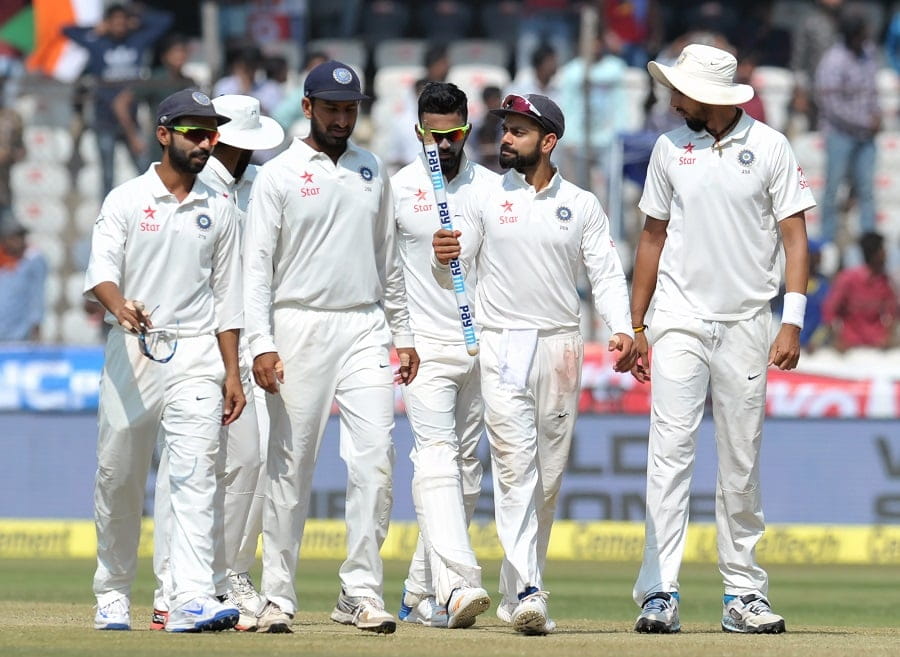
x=516, y=353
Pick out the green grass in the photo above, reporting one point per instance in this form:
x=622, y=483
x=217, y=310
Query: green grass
x=46, y=609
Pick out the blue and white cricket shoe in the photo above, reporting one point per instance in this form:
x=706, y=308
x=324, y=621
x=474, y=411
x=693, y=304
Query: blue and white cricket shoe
x=659, y=614
x=203, y=614
x=750, y=614
x=422, y=609
x=115, y=615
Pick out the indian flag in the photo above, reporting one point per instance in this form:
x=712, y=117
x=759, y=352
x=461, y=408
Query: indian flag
x=54, y=54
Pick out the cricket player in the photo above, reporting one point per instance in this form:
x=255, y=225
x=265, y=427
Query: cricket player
x=324, y=299
x=244, y=445
x=165, y=265
x=724, y=194
x=444, y=402
x=527, y=235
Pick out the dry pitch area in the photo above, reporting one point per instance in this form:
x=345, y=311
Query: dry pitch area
x=46, y=609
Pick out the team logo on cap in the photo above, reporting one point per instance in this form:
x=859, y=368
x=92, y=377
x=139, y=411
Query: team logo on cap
x=200, y=98
x=342, y=76
x=203, y=221
x=564, y=214
x=366, y=173
x=746, y=157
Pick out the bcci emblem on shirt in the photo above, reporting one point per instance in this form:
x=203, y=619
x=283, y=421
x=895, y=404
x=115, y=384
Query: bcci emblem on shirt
x=564, y=215
x=204, y=222
x=746, y=158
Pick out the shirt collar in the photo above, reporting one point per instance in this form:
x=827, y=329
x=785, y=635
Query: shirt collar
x=159, y=191
x=215, y=167
x=518, y=179
x=309, y=153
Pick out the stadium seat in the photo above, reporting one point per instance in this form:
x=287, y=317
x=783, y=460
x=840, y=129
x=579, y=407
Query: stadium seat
x=888, y=148
x=637, y=86
x=87, y=182
x=51, y=246
x=392, y=82
x=87, y=147
x=887, y=187
x=349, y=51
x=775, y=86
x=52, y=290
x=889, y=98
x=478, y=51
x=472, y=78
x=85, y=216
x=41, y=215
x=78, y=328
x=37, y=179
x=74, y=290
x=809, y=148
x=50, y=326
x=47, y=144
x=399, y=52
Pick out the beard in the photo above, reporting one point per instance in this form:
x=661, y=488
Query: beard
x=328, y=143
x=450, y=163
x=519, y=161
x=191, y=162
x=695, y=124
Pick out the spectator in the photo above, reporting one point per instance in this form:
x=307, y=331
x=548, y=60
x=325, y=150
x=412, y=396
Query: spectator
x=770, y=43
x=243, y=62
x=487, y=134
x=744, y=75
x=633, y=27
x=23, y=274
x=271, y=90
x=539, y=78
x=847, y=97
x=813, y=36
x=445, y=19
x=12, y=147
x=437, y=64
x=289, y=111
x=117, y=47
x=553, y=21
x=165, y=79
x=862, y=306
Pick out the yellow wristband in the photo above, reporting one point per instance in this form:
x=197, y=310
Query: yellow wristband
x=639, y=329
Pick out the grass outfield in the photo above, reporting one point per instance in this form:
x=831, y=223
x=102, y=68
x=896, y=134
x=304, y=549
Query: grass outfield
x=46, y=609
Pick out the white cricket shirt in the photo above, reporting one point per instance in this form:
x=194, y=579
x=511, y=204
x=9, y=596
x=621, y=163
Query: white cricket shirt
x=216, y=175
x=723, y=203
x=527, y=247
x=321, y=235
x=432, y=309
x=182, y=257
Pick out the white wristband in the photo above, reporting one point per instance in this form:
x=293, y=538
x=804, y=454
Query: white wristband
x=794, y=309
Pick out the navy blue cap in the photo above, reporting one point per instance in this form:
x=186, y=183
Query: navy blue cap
x=187, y=102
x=333, y=81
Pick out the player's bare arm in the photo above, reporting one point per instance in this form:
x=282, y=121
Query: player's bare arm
x=232, y=390
x=268, y=371
x=785, y=351
x=646, y=268
x=446, y=245
x=131, y=315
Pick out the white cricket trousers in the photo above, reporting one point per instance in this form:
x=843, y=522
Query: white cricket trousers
x=239, y=475
x=445, y=412
x=691, y=356
x=180, y=404
x=340, y=355
x=530, y=433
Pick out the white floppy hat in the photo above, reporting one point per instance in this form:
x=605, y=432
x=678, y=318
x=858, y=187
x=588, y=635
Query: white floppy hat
x=704, y=74
x=246, y=129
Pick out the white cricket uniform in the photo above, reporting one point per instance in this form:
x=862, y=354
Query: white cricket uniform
x=443, y=403
x=243, y=449
x=711, y=328
x=182, y=261
x=323, y=283
x=527, y=247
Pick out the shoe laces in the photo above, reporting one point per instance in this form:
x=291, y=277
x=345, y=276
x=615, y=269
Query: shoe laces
x=537, y=595
x=758, y=606
x=657, y=605
x=117, y=607
x=242, y=584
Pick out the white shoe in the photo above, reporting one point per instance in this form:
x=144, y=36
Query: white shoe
x=243, y=595
x=422, y=609
x=115, y=615
x=365, y=613
x=751, y=614
x=202, y=614
x=272, y=620
x=530, y=616
x=464, y=605
x=505, y=612
x=659, y=614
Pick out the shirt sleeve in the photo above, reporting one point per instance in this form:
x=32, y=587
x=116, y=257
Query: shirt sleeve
x=107, y=249
x=604, y=270
x=657, y=196
x=226, y=274
x=788, y=186
x=261, y=228
x=390, y=269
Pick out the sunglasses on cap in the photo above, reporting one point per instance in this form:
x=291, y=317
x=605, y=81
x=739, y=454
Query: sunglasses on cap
x=197, y=134
x=521, y=104
x=452, y=135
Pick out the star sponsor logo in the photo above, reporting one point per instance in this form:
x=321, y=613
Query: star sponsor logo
x=149, y=213
x=688, y=156
x=149, y=224
x=307, y=178
x=508, y=217
x=421, y=203
x=307, y=191
x=804, y=184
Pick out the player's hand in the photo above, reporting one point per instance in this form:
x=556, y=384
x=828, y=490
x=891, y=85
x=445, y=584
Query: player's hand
x=133, y=316
x=625, y=345
x=640, y=370
x=785, y=351
x=446, y=245
x=409, y=365
x=268, y=371
x=234, y=400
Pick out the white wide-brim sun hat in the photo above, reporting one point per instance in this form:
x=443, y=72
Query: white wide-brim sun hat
x=704, y=74
x=247, y=129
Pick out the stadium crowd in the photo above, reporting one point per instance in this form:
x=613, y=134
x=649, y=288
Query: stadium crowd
x=56, y=163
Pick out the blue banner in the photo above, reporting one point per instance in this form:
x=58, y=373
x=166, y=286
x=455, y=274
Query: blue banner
x=49, y=378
